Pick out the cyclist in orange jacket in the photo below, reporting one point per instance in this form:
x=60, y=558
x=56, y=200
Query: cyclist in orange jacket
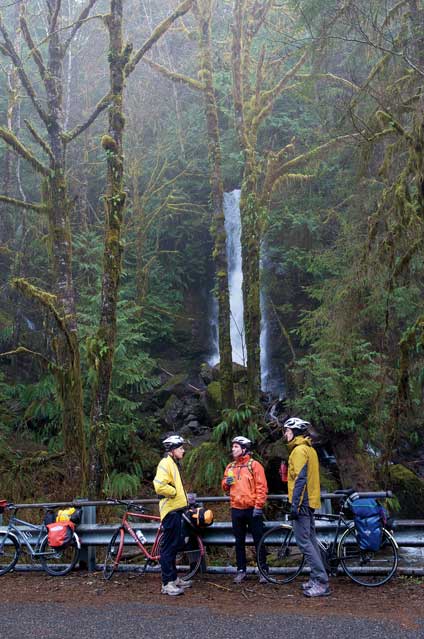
x=245, y=480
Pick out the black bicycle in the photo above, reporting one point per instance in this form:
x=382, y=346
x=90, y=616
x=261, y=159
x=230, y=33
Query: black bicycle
x=342, y=554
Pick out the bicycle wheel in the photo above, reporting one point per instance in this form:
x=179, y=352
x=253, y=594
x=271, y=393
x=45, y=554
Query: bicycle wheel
x=59, y=561
x=189, y=559
x=9, y=552
x=113, y=553
x=284, y=559
x=367, y=567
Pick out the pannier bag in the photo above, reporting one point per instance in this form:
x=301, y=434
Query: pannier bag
x=199, y=517
x=369, y=519
x=60, y=534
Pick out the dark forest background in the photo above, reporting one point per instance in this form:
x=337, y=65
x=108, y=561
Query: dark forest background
x=121, y=124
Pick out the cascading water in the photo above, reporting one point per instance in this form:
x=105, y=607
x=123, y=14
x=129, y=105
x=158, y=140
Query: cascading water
x=235, y=282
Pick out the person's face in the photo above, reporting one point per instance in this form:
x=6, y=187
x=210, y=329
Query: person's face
x=288, y=434
x=178, y=453
x=237, y=451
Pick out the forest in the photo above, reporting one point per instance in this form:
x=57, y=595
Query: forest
x=129, y=130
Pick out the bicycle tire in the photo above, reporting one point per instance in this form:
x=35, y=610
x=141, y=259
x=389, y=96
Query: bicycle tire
x=113, y=553
x=368, y=568
x=284, y=561
x=59, y=561
x=10, y=551
x=189, y=559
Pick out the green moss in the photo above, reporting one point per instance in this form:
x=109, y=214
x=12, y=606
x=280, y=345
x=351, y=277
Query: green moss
x=408, y=488
x=213, y=396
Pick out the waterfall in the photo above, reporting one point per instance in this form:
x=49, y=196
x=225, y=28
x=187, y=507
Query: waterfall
x=235, y=282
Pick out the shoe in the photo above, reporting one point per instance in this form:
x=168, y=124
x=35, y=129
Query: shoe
x=263, y=580
x=172, y=589
x=240, y=576
x=317, y=590
x=307, y=584
x=183, y=583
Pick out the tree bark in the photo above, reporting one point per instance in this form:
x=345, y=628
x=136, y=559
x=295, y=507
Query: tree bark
x=203, y=13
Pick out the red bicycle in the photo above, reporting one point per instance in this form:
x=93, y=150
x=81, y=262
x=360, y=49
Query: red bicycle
x=129, y=547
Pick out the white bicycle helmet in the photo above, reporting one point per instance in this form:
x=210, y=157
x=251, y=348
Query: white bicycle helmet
x=244, y=442
x=297, y=426
x=172, y=441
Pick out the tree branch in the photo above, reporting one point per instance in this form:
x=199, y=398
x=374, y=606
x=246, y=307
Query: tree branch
x=78, y=24
x=37, y=137
x=157, y=33
x=26, y=351
x=9, y=50
x=179, y=78
x=12, y=141
x=100, y=106
x=21, y=204
x=33, y=50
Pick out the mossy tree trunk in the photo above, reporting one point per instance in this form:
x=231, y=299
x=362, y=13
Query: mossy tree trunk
x=103, y=347
x=203, y=13
x=122, y=63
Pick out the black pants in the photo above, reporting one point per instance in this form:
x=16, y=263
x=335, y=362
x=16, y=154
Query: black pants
x=243, y=521
x=170, y=545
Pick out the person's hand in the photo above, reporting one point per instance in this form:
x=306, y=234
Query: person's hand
x=191, y=499
x=294, y=513
x=229, y=481
x=257, y=512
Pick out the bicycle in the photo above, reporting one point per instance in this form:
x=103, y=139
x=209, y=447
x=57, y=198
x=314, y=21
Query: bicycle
x=365, y=567
x=15, y=541
x=121, y=549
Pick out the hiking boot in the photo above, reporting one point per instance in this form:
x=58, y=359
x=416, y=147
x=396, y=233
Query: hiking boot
x=317, y=590
x=172, y=589
x=240, y=576
x=307, y=584
x=183, y=583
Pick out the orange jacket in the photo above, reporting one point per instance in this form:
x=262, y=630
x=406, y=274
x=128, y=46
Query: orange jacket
x=250, y=489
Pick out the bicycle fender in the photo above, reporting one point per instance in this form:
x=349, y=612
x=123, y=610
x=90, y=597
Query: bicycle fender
x=389, y=534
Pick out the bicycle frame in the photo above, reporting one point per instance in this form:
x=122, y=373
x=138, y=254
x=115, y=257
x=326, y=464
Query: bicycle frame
x=154, y=554
x=23, y=536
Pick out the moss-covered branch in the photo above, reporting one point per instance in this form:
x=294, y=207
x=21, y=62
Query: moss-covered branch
x=9, y=50
x=102, y=105
x=179, y=78
x=157, y=33
x=37, y=137
x=47, y=300
x=22, y=350
x=12, y=141
x=78, y=23
x=22, y=204
x=34, y=52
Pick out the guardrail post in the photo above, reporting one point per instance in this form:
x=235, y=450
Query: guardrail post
x=88, y=553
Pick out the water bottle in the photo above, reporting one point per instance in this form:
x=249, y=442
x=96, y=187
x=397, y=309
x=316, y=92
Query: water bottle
x=142, y=539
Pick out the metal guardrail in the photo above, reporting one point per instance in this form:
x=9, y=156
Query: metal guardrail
x=409, y=534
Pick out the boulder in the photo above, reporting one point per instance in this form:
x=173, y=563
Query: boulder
x=408, y=488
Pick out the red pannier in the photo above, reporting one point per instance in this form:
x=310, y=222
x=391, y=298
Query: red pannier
x=60, y=534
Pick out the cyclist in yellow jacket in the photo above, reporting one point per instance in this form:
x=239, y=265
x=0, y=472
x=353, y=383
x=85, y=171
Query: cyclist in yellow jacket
x=304, y=497
x=173, y=501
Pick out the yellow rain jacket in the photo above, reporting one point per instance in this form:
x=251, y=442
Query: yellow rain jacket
x=169, y=486
x=303, y=474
